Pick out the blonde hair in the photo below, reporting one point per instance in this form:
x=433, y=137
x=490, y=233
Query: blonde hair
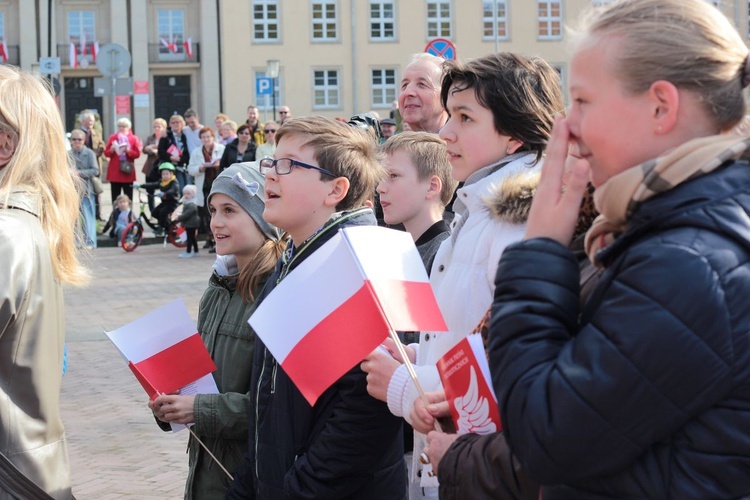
x=346, y=151
x=160, y=121
x=231, y=124
x=124, y=122
x=41, y=165
x=123, y=197
x=259, y=267
x=686, y=42
x=429, y=156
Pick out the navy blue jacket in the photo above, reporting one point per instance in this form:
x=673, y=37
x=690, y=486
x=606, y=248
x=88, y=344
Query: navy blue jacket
x=348, y=445
x=647, y=393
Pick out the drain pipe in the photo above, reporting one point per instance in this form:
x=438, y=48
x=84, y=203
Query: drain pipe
x=352, y=3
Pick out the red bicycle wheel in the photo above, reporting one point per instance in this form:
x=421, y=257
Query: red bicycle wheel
x=175, y=233
x=131, y=237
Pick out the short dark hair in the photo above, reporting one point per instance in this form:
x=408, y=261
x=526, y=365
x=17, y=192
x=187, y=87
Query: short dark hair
x=523, y=94
x=242, y=128
x=190, y=113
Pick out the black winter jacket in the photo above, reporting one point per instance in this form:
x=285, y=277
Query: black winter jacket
x=181, y=143
x=348, y=445
x=232, y=155
x=648, y=394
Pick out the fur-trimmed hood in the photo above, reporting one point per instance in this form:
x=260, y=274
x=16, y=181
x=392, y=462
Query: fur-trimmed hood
x=510, y=199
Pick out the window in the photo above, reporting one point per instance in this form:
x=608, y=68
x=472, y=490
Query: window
x=324, y=20
x=81, y=27
x=265, y=102
x=550, y=19
x=382, y=20
x=439, y=19
x=265, y=20
x=383, y=87
x=171, y=25
x=326, y=89
x=495, y=23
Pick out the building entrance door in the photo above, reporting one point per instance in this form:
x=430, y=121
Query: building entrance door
x=171, y=95
x=79, y=95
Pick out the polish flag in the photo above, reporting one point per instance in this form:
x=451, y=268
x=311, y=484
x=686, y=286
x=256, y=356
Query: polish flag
x=341, y=303
x=4, y=51
x=95, y=51
x=83, y=43
x=188, y=44
x=163, y=350
x=73, y=55
x=172, y=47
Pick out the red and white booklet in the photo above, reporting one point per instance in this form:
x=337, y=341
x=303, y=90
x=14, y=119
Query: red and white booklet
x=165, y=353
x=174, y=151
x=465, y=374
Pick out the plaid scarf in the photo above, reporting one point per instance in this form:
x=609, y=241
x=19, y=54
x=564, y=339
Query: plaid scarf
x=619, y=197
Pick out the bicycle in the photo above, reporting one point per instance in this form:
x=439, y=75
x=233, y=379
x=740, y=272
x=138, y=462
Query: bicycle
x=132, y=235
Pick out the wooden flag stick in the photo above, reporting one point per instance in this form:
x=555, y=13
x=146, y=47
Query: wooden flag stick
x=412, y=373
x=211, y=454
x=206, y=448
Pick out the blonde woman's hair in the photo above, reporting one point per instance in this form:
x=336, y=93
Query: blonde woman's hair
x=686, y=42
x=345, y=150
x=429, y=156
x=231, y=124
x=160, y=121
x=259, y=267
x=41, y=165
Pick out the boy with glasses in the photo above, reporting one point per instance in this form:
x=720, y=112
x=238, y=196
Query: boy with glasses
x=347, y=445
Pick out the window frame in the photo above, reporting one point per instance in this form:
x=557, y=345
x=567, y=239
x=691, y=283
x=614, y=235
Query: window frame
x=495, y=20
x=265, y=23
x=382, y=20
x=549, y=19
x=164, y=53
x=327, y=88
x=324, y=21
x=384, y=86
x=439, y=20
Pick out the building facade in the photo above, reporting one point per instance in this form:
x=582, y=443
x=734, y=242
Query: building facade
x=335, y=57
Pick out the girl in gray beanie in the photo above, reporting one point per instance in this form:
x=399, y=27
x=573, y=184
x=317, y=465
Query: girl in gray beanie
x=247, y=249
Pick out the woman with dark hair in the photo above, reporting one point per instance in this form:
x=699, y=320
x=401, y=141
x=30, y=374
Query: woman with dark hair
x=239, y=150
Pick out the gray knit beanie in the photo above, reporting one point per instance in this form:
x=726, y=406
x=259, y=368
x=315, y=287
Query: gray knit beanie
x=243, y=182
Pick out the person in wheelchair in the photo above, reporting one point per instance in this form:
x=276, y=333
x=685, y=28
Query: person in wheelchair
x=168, y=190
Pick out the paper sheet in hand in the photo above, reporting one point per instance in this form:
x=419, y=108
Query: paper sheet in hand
x=165, y=352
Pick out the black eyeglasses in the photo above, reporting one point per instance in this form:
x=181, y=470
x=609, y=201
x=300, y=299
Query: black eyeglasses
x=270, y=130
x=284, y=166
x=283, y=112
x=76, y=139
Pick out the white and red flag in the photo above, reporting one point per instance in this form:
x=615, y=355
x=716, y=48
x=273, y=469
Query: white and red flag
x=83, y=43
x=188, y=44
x=4, y=51
x=339, y=304
x=465, y=375
x=165, y=352
x=95, y=50
x=170, y=45
x=73, y=55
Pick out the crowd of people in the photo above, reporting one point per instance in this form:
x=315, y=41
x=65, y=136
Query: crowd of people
x=602, y=253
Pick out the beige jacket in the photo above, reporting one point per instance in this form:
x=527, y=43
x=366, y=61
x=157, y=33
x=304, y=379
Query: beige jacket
x=32, y=333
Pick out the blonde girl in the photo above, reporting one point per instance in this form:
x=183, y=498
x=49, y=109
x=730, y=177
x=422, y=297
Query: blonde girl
x=39, y=203
x=645, y=393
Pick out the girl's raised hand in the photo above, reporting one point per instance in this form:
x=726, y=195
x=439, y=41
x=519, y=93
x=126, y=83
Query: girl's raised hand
x=554, y=211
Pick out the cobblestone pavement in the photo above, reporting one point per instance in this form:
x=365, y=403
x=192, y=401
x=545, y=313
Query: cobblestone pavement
x=116, y=449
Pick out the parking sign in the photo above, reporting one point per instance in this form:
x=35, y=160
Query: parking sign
x=263, y=86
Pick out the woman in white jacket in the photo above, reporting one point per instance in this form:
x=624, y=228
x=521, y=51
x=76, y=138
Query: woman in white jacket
x=204, y=167
x=501, y=109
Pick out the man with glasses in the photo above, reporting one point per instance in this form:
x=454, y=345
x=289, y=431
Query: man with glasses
x=266, y=149
x=284, y=114
x=87, y=168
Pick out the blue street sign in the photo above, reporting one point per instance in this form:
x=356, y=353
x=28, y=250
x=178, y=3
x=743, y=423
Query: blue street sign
x=263, y=86
x=441, y=47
